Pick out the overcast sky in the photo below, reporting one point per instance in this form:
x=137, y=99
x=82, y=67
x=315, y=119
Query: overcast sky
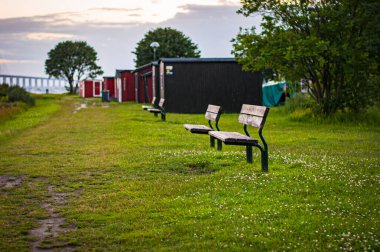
x=30, y=28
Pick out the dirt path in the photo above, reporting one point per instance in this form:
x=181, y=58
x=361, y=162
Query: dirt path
x=10, y=181
x=50, y=228
x=52, y=158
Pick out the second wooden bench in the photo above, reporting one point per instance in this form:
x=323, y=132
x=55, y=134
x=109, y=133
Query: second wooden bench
x=213, y=113
x=159, y=109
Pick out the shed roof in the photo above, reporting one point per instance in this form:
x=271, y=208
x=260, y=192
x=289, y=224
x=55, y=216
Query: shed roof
x=196, y=60
x=119, y=71
x=154, y=63
x=142, y=67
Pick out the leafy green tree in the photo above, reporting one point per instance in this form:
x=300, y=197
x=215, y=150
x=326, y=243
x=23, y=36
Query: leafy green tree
x=73, y=61
x=333, y=45
x=173, y=44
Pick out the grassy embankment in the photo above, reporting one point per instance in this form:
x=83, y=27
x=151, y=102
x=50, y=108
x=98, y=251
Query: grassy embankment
x=133, y=182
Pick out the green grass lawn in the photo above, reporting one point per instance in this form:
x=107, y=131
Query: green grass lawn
x=123, y=180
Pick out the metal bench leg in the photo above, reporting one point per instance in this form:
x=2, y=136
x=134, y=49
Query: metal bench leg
x=155, y=114
x=163, y=116
x=264, y=152
x=264, y=160
x=212, y=141
x=249, y=153
x=219, y=145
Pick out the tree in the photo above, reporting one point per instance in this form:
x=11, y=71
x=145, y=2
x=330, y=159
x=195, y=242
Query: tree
x=73, y=61
x=173, y=44
x=332, y=44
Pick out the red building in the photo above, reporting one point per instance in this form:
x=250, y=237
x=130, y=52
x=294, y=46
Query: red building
x=124, y=88
x=109, y=83
x=90, y=88
x=143, y=83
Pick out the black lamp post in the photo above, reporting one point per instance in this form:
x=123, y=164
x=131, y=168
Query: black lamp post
x=154, y=45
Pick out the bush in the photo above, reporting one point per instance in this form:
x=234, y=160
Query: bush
x=18, y=94
x=302, y=108
x=299, y=101
x=369, y=117
x=4, y=89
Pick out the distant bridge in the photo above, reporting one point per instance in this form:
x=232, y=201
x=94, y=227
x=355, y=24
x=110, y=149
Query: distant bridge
x=29, y=82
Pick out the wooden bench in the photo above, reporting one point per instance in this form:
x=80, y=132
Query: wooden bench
x=146, y=107
x=249, y=115
x=159, y=109
x=213, y=113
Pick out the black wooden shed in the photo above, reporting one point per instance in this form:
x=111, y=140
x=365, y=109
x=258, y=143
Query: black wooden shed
x=188, y=85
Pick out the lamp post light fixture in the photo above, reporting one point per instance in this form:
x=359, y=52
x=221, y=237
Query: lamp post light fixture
x=154, y=45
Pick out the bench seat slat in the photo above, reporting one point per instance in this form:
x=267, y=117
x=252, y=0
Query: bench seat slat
x=211, y=116
x=213, y=112
x=253, y=110
x=146, y=107
x=232, y=137
x=154, y=110
x=251, y=120
x=196, y=128
x=213, y=109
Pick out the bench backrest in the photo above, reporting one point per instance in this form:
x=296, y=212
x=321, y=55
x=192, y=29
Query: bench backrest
x=213, y=112
x=253, y=115
x=161, y=103
x=154, y=101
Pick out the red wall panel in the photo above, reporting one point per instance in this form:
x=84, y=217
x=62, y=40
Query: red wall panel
x=109, y=84
x=88, y=88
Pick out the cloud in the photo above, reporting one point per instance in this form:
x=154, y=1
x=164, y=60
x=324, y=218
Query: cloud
x=229, y=2
x=47, y=36
x=5, y=61
x=106, y=17
x=211, y=27
x=5, y=52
